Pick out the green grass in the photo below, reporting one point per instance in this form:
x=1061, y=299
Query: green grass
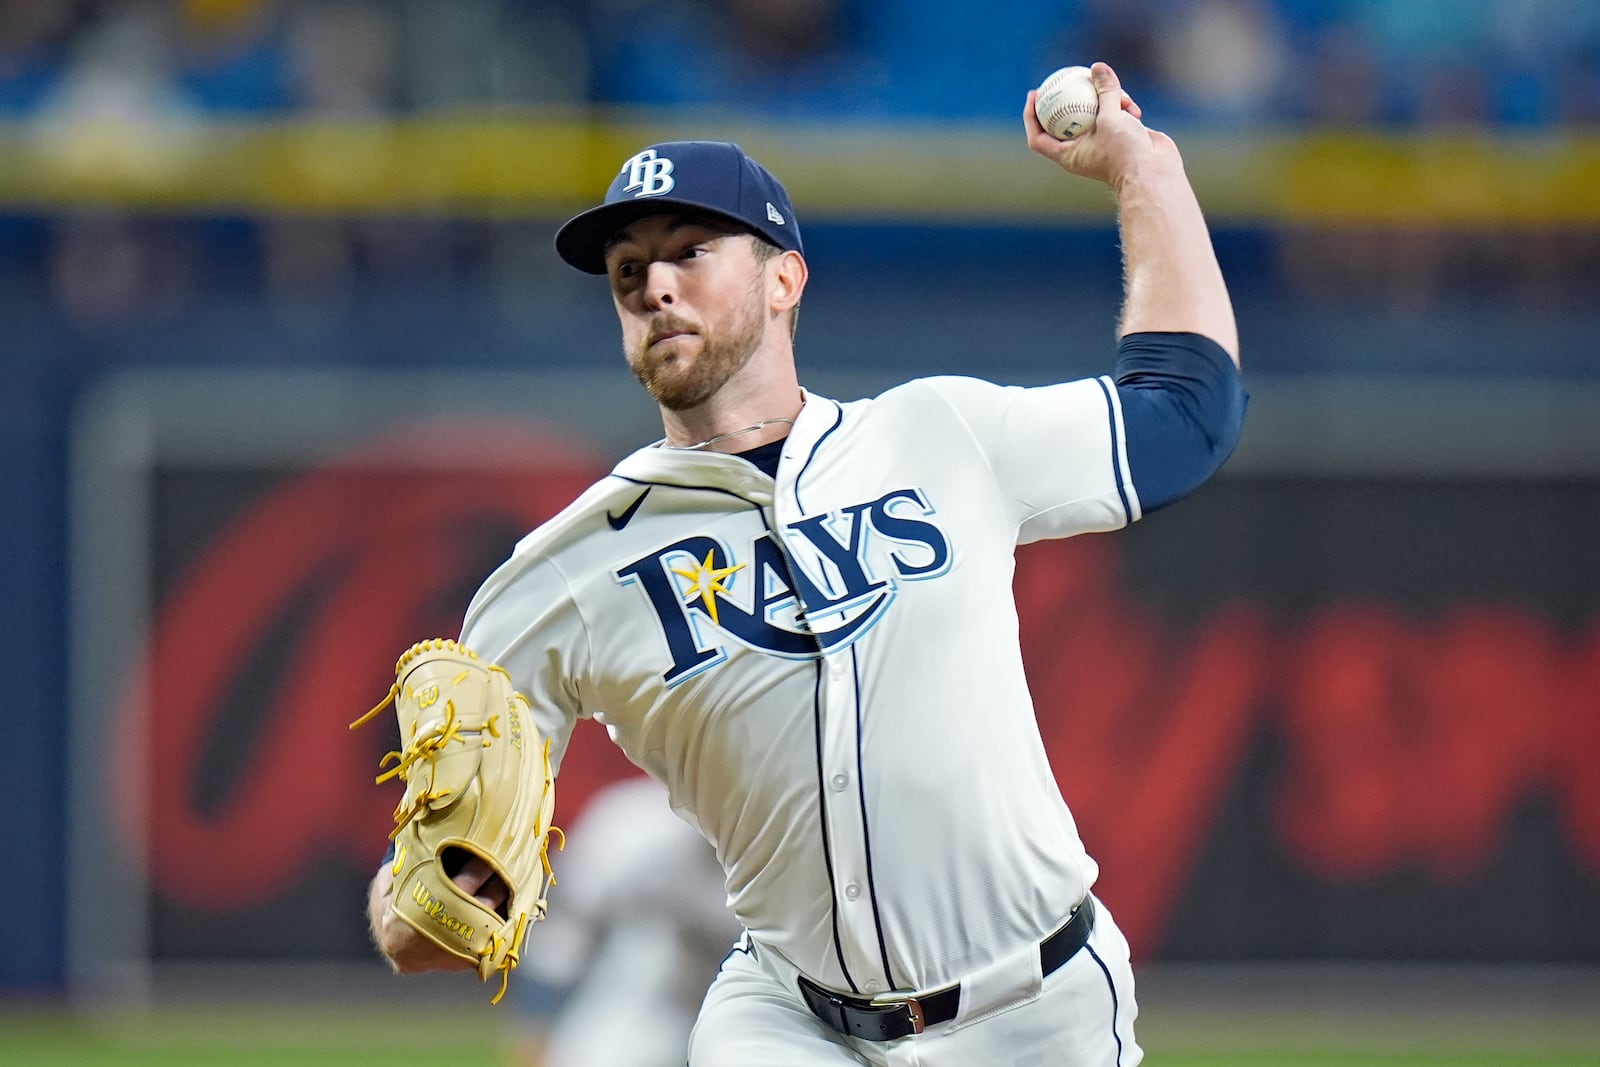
x=1369, y=1039
x=1333, y=1058
x=480, y=1037
x=250, y=1038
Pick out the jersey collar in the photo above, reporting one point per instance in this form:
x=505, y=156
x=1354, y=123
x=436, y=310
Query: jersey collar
x=718, y=470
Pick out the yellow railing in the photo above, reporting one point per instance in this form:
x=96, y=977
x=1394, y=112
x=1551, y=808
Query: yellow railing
x=543, y=165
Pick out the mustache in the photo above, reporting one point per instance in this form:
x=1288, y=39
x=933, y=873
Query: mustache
x=666, y=323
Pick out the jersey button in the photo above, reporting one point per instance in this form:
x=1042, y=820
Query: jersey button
x=874, y=986
x=852, y=891
x=839, y=781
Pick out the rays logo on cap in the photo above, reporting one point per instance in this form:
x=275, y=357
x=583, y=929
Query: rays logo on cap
x=650, y=174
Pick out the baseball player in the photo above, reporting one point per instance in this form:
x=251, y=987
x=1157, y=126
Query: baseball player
x=621, y=965
x=796, y=614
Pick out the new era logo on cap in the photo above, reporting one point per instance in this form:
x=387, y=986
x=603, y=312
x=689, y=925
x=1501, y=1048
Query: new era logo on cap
x=708, y=177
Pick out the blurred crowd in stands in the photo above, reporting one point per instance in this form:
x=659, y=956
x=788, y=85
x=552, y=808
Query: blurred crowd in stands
x=161, y=65
x=1515, y=62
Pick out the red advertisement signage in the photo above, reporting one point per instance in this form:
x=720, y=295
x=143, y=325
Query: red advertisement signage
x=1277, y=709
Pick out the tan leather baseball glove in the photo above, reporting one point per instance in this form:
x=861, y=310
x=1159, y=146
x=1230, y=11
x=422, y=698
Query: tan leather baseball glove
x=478, y=783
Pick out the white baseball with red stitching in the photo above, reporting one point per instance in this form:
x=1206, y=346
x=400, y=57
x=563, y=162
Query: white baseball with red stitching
x=1067, y=103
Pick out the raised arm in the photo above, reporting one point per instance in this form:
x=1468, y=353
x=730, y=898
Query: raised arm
x=1172, y=282
x=1178, y=388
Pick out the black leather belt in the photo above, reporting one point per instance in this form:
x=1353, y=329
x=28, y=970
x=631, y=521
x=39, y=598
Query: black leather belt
x=885, y=1020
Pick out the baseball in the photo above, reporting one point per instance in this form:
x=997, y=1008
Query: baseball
x=1067, y=103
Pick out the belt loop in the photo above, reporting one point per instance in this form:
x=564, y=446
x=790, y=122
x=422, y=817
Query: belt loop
x=837, y=1019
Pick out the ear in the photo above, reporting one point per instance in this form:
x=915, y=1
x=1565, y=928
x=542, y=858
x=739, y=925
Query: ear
x=786, y=281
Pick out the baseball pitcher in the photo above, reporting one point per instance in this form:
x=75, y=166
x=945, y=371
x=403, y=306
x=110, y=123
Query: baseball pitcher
x=796, y=614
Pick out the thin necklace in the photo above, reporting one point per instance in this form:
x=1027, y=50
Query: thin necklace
x=762, y=425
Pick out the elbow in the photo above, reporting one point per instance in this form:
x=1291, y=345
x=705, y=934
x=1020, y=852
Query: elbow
x=1216, y=427
x=1222, y=424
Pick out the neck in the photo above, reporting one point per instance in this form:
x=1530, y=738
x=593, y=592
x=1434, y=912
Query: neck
x=736, y=430
x=740, y=440
x=744, y=411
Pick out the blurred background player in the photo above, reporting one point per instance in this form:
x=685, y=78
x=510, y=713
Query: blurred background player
x=624, y=960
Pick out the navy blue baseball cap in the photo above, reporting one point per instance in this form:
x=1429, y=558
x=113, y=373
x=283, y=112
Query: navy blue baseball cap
x=711, y=177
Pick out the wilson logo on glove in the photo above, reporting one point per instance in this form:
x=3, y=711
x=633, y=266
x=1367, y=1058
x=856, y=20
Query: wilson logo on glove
x=434, y=907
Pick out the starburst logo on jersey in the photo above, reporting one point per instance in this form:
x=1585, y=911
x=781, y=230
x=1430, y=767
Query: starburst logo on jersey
x=705, y=582
x=826, y=584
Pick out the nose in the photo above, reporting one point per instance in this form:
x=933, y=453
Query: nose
x=660, y=285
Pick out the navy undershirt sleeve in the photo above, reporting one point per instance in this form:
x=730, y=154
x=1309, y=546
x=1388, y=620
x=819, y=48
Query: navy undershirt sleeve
x=1183, y=407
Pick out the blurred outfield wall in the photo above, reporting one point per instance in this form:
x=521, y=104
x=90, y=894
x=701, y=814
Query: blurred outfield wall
x=1339, y=706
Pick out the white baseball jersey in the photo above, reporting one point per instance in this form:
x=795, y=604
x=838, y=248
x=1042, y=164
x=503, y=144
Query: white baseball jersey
x=824, y=669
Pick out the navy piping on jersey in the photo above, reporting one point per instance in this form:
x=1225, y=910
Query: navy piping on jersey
x=1116, y=449
x=822, y=819
x=1115, y=1004
x=822, y=785
x=816, y=700
x=838, y=419
x=742, y=946
x=697, y=489
x=866, y=830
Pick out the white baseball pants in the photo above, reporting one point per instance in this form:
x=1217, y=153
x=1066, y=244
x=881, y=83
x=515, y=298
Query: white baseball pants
x=1080, y=1016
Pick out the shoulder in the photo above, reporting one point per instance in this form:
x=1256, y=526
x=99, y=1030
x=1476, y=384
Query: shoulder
x=936, y=388
x=934, y=392
x=572, y=523
x=921, y=398
x=962, y=393
x=540, y=558
x=943, y=400
x=927, y=409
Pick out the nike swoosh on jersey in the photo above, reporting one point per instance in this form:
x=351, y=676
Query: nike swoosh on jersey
x=619, y=521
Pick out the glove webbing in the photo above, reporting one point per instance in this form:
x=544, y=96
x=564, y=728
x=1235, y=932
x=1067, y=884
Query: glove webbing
x=540, y=905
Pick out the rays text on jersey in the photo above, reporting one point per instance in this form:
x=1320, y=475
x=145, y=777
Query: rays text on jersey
x=818, y=587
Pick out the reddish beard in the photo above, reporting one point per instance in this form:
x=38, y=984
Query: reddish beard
x=678, y=379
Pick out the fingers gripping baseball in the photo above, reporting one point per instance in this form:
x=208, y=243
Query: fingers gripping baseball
x=1116, y=143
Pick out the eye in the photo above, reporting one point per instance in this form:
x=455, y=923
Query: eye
x=693, y=252
x=628, y=268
